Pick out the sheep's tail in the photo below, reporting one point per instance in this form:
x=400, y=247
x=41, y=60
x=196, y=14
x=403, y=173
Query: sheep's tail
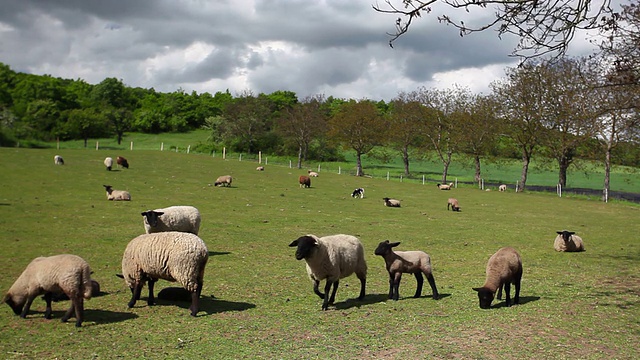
x=86, y=282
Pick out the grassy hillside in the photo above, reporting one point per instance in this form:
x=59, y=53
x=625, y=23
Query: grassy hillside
x=574, y=305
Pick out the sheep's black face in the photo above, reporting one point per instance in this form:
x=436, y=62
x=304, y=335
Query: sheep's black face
x=385, y=247
x=306, y=245
x=566, y=235
x=152, y=217
x=15, y=306
x=485, y=297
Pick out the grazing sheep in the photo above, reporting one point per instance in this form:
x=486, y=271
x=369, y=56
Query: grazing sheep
x=502, y=188
x=399, y=262
x=65, y=273
x=117, y=195
x=172, y=256
x=260, y=168
x=305, y=181
x=445, y=186
x=313, y=173
x=503, y=269
x=358, y=193
x=173, y=218
x=122, y=162
x=224, y=180
x=453, y=203
x=58, y=160
x=568, y=241
x=95, y=291
x=108, y=163
x=391, y=202
x=332, y=258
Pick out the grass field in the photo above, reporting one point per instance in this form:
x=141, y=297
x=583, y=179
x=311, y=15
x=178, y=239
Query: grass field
x=573, y=305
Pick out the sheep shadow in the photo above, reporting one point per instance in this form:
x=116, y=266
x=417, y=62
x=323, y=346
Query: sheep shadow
x=368, y=300
x=215, y=253
x=208, y=305
x=97, y=316
x=523, y=300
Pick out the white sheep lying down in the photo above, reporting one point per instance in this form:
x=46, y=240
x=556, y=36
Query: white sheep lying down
x=332, y=258
x=172, y=218
x=66, y=273
x=568, y=241
x=171, y=256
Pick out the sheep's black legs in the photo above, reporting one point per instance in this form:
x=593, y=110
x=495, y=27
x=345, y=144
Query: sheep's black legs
x=151, y=299
x=499, y=297
x=434, y=289
x=332, y=299
x=47, y=299
x=135, y=293
x=27, y=306
x=363, y=285
x=77, y=304
x=327, y=289
x=420, y=281
x=396, y=285
x=195, y=299
x=391, y=282
x=316, y=283
x=507, y=293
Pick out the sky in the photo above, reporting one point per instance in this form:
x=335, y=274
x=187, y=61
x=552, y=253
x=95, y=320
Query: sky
x=337, y=48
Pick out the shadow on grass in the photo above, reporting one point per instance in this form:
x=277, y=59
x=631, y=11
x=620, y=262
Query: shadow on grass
x=523, y=301
x=209, y=305
x=215, y=253
x=368, y=300
x=92, y=315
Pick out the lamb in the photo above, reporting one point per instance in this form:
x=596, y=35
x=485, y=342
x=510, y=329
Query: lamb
x=117, y=195
x=313, y=173
x=108, y=163
x=58, y=160
x=172, y=256
x=568, y=241
x=51, y=275
x=399, y=262
x=391, y=202
x=445, y=186
x=224, y=180
x=453, y=203
x=173, y=218
x=260, y=168
x=503, y=269
x=502, y=188
x=305, y=181
x=332, y=258
x=358, y=193
x=122, y=162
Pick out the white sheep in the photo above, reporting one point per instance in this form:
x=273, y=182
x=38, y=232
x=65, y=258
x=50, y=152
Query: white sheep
x=224, y=180
x=332, y=258
x=171, y=256
x=453, y=203
x=260, y=168
x=503, y=269
x=66, y=273
x=117, y=195
x=313, y=173
x=445, y=186
x=58, y=160
x=502, y=188
x=108, y=163
x=568, y=241
x=391, y=202
x=399, y=262
x=172, y=218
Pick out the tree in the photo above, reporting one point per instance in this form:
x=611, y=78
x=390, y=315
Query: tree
x=114, y=97
x=303, y=122
x=406, y=119
x=85, y=124
x=245, y=121
x=543, y=26
x=360, y=126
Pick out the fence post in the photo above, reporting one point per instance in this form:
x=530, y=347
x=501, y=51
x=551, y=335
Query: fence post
x=422, y=179
x=400, y=178
x=339, y=170
x=188, y=149
x=240, y=157
x=387, y=175
x=131, y=146
x=58, y=143
x=517, y=185
x=289, y=164
x=97, y=145
x=266, y=161
x=259, y=157
x=224, y=153
x=559, y=190
x=161, y=146
x=318, y=167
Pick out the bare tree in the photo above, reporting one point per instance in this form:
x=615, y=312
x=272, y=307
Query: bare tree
x=406, y=119
x=543, y=26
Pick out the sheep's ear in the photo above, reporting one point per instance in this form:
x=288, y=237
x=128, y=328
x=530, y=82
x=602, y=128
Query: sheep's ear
x=559, y=232
x=477, y=289
x=294, y=243
x=394, y=244
x=120, y=276
x=143, y=213
x=572, y=232
x=159, y=213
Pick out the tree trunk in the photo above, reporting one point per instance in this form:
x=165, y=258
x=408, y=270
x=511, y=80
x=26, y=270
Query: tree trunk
x=85, y=142
x=478, y=175
x=359, y=165
x=526, y=159
x=405, y=160
x=607, y=172
x=445, y=166
x=299, y=157
x=119, y=138
x=563, y=164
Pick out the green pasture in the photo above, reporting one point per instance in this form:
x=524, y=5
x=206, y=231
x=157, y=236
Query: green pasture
x=257, y=300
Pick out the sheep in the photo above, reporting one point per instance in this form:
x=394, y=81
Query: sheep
x=305, y=181
x=108, y=163
x=313, y=173
x=95, y=291
x=503, y=269
x=568, y=241
x=51, y=275
x=453, y=203
x=358, y=193
x=224, y=180
x=391, y=202
x=122, y=162
x=502, y=188
x=445, y=186
x=332, y=258
x=399, y=262
x=173, y=218
x=58, y=160
x=260, y=168
x=117, y=195
x=171, y=256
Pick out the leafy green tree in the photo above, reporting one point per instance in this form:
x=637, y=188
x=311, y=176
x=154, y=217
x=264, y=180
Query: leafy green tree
x=113, y=97
x=406, y=118
x=303, y=122
x=85, y=124
x=245, y=122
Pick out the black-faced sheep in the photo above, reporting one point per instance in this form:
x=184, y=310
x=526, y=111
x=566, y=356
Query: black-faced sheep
x=568, y=241
x=172, y=218
x=358, y=193
x=122, y=162
x=412, y=262
x=224, y=180
x=304, y=181
x=58, y=160
x=313, y=173
x=391, y=202
x=66, y=273
x=453, y=203
x=117, y=195
x=108, y=163
x=332, y=258
x=171, y=256
x=445, y=186
x=502, y=188
x=503, y=269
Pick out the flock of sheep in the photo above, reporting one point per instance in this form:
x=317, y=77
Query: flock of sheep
x=170, y=249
